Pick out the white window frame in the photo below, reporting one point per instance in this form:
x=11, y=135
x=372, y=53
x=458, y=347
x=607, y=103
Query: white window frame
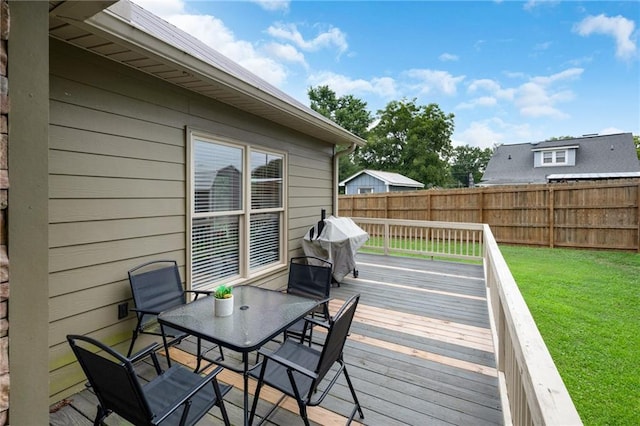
x=365, y=190
x=554, y=157
x=245, y=213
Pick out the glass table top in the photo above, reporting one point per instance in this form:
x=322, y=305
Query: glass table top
x=258, y=316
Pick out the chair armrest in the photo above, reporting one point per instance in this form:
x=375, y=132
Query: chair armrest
x=205, y=380
x=148, y=351
x=199, y=293
x=315, y=321
x=144, y=352
x=291, y=365
x=144, y=311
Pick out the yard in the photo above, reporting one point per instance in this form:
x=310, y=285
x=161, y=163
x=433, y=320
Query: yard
x=585, y=304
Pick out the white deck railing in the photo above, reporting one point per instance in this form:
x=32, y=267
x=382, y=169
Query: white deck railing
x=433, y=239
x=531, y=388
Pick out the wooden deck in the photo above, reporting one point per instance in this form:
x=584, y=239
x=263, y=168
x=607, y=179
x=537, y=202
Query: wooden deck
x=420, y=352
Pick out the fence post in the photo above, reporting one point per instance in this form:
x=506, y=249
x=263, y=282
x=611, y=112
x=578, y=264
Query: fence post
x=552, y=224
x=638, y=218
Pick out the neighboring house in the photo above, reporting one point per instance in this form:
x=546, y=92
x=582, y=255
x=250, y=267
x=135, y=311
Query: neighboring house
x=373, y=181
x=130, y=141
x=577, y=159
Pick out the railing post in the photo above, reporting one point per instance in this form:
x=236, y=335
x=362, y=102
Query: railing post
x=386, y=238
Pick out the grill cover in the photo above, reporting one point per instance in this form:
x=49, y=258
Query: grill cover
x=337, y=243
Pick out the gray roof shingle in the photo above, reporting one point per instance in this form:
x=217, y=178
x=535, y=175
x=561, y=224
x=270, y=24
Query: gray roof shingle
x=513, y=164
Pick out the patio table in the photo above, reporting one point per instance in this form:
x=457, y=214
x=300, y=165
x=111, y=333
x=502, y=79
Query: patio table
x=258, y=316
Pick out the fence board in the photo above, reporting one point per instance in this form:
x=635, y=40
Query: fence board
x=594, y=215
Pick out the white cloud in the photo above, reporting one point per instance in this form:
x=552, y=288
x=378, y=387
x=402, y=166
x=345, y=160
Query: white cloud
x=273, y=5
x=484, y=101
x=490, y=132
x=491, y=87
x=568, y=74
x=384, y=87
x=331, y=37
x=286, y=52
x=539, y=97
x=542, y=46
x=610, y=131
x=447, y=57
x=532, y=4
x=618, y=27
x=430, y=80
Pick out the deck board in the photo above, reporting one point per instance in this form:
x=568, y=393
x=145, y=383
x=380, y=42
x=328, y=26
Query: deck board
x=420, y=351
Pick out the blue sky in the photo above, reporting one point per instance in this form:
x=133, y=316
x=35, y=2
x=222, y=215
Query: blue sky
x=509, y=71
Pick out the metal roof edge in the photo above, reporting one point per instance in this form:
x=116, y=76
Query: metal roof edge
x=116, y=28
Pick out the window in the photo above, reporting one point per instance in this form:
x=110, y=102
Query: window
x=365, y=190
x=554, y=157
x=236, y=217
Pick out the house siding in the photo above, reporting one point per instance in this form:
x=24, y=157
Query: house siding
x=117, y=193
x=365, y=181
x=4, y=186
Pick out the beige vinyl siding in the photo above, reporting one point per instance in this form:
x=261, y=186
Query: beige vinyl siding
x=117, y=190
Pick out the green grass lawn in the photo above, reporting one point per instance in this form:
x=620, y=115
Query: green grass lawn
x=587, y=307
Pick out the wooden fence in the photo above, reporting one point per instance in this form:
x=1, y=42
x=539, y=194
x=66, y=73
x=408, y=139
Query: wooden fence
x=602, y=215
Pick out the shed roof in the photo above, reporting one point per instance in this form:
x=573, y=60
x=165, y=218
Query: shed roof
x=128, y=34
x=606, y=154
x=389, y=178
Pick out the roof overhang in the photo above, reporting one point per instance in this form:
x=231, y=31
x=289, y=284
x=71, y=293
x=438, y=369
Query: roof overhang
x=556, y=148
x=589, y=176
x=171, y=55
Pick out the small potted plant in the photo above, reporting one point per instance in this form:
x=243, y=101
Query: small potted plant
x=223, y=301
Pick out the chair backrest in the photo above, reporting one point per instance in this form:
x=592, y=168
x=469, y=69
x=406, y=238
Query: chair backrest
x=112, y=378
x=156, y=286
x=309, y=276
x=337, y=336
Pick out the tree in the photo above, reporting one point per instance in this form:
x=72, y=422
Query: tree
x=636, y=141
x=412, y=140
x=469, y=159
x=348, y=112
x=560, y=138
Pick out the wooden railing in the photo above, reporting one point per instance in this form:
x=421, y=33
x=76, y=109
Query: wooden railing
x=531, y=388
x=433, y=239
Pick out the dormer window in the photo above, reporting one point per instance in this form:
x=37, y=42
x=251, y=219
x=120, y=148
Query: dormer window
x=556, y=156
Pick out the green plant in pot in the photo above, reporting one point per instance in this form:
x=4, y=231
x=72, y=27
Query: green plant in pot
x=223, y=300
x=223, y=292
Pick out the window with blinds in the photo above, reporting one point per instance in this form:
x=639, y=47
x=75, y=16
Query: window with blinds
x=231, y=236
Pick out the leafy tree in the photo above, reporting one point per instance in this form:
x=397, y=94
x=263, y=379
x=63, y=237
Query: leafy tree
x=469, y=159
x=636, y=141
x=412, y=140
x=559, y=138
x=348, y=112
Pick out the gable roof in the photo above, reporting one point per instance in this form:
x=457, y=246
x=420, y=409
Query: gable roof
x=133, y=36
x=605, y=156
x=389, y=178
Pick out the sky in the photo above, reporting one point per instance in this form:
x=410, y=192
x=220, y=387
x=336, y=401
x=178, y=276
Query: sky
x=509, y=71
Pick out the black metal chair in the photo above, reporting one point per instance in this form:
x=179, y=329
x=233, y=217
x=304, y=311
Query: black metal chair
x=119, y=390
x=309, y=276
x=156, y=287
x=296, y=369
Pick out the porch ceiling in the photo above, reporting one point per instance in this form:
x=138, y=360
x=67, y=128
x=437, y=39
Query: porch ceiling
x=134, y=37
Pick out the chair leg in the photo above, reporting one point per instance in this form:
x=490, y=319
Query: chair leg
x=220, y=403
x=256, y=394
x=133, y=340
x=100, y=416
x=353, y=394
x=303, y=413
